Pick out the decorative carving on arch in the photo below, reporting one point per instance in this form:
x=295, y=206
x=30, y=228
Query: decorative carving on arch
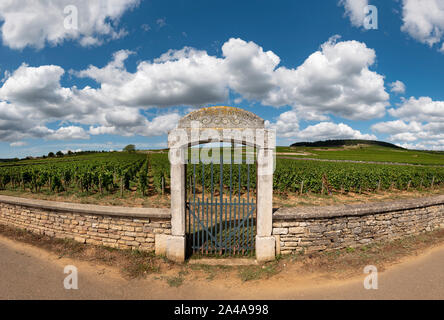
x=222, y=118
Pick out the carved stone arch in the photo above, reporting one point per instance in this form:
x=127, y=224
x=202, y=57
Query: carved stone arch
x=221, y=120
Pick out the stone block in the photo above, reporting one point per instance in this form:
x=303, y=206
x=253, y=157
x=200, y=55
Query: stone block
x=176, y=248
x=280, y=231
x=265, y=249
x=160, y=244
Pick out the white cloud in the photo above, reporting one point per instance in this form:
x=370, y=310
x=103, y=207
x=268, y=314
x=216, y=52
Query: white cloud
x=335, y=80
x=287, y=126
x=397, y=126
x=251, y=71
x=405, y=136
x=114, y=72
x=423, y=20
x=178, y=77
x=30, y=86
x=34, y=23
x=68, y=133
x=126, y=123
x=402, y=132
x=437, y=145
x=421, y=109
x=33, y=96
x=329, y=130
x=161, y=22
x=18, y=144
x=397, y=87
x=145, y=27
x=355, y=10
x=420, y=120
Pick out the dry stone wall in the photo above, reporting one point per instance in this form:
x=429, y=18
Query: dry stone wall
x=295, y=229
x=116, y=227
x=328, y=228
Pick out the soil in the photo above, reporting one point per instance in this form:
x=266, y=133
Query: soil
x=152, y=200
x=287, y=278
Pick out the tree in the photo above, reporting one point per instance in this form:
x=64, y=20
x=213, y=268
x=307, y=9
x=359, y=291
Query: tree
x=70, y=152
x=59, y=154
x=130, y=148
x=51, y=155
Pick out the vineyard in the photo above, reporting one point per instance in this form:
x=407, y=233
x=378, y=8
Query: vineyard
x=101, y=173
x=119, y=174
x=318, y=177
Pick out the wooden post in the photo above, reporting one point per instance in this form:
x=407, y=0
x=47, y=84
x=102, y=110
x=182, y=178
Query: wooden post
x=163, y=184
x=100, y=185
x=302, y=187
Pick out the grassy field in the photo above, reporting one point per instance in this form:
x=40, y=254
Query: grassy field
x=365, y=153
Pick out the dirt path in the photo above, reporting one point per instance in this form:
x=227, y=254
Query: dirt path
x=28, y=272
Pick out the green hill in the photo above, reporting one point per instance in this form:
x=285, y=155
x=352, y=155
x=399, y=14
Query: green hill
x=359, y=150
x=342, y=143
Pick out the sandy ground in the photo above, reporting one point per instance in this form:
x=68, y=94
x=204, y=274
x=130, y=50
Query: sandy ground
x=28, y=272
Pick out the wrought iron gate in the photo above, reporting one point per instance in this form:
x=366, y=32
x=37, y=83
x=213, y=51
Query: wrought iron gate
x=221, y=215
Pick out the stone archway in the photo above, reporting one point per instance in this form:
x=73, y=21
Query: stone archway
x=222, y=124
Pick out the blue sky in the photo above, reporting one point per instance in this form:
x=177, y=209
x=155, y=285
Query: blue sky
x=131, y=69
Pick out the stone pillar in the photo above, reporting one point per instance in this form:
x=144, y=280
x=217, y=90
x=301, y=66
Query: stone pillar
x=176, y=242
x=265, y=242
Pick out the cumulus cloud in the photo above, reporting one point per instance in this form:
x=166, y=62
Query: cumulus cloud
x=422, y=122
x=68, y=133
x=329, y=130
x=113, y=72
x=161, y=22
x=178, y=77
x=18, y=144
x=251, y=71
x=355, y=10
x=421, y=109
x=397, y=87
x=437, y=145
x=423, y=20
x=287, y=126
x=35, y=23
x=33, y=96
x=130, y=124
x=336, y=80
x=397, y=126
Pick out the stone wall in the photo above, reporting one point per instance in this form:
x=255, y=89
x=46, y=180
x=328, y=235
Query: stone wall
x=295, y=229
x=117, y=227
x=327, y=228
